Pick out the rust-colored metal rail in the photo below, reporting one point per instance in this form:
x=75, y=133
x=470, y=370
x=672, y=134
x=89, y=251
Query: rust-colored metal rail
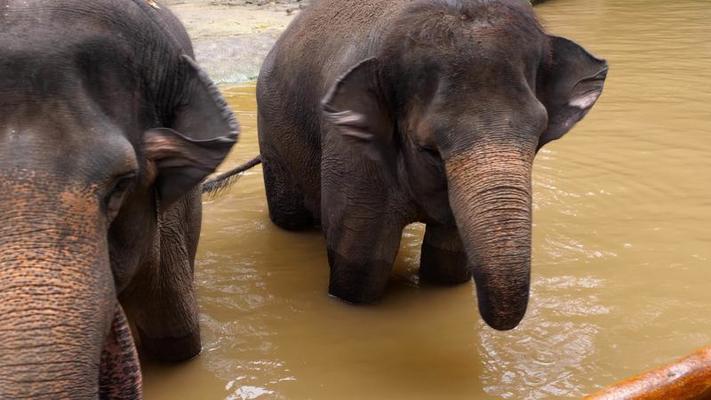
x=686, y=379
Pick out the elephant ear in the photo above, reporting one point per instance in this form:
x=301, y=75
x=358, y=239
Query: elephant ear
x=571, y=82
x=357, y=107
x=201, y=135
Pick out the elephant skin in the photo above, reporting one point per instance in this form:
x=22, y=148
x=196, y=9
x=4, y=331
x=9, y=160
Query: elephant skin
x=107, y=128
x=379, y=113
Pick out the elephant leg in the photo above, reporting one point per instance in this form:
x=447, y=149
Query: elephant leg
x=285, y=201
x=362, y=243
x=361, y=262
x=443, y=259
x=162, y=299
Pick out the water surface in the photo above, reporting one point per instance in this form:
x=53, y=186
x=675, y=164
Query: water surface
x=621, y=258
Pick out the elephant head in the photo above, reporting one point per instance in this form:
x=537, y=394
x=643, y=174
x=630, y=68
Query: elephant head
x=93, y=144
x=455, y=106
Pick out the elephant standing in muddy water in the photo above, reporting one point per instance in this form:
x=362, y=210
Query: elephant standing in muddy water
x=107, y=127
x=379, y=113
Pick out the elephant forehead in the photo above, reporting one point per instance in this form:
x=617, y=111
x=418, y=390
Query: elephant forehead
x=490, y=24
x=80, y=149
x=51, y=74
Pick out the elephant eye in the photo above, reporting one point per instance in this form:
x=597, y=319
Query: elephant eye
x=431, y=151
x=114, y=198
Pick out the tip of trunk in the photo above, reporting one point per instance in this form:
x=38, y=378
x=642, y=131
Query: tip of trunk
x=502, y=310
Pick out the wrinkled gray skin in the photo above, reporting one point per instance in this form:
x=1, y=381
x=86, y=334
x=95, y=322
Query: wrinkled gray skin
x=106, y=129
x=379, y=113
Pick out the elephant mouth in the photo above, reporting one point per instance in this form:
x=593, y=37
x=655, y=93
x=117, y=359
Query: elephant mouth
x=120, y=370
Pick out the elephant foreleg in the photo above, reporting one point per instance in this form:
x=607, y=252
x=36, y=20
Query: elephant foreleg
x=443, y=259
x=161, y=300
x=362, y=244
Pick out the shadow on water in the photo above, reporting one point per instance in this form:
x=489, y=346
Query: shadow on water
x=621, y=253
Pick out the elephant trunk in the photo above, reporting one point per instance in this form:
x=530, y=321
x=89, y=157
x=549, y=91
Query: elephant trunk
x=61, y=328
x=490, y=196
x=52, y=325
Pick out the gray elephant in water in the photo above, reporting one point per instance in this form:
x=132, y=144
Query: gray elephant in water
x=379, y=113
x=107, y=127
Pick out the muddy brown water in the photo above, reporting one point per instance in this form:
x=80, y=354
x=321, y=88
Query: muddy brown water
x=621, y=257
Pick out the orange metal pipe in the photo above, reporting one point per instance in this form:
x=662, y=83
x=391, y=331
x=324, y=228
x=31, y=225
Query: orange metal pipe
x=686, y=379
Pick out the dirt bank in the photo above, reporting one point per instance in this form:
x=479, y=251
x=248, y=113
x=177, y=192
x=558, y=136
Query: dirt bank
x=232, y=37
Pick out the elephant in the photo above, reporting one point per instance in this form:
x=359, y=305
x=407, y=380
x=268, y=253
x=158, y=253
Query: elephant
x=380, y=113
x=107, y=128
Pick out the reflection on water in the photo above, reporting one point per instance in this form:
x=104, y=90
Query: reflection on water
x=622, y=244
